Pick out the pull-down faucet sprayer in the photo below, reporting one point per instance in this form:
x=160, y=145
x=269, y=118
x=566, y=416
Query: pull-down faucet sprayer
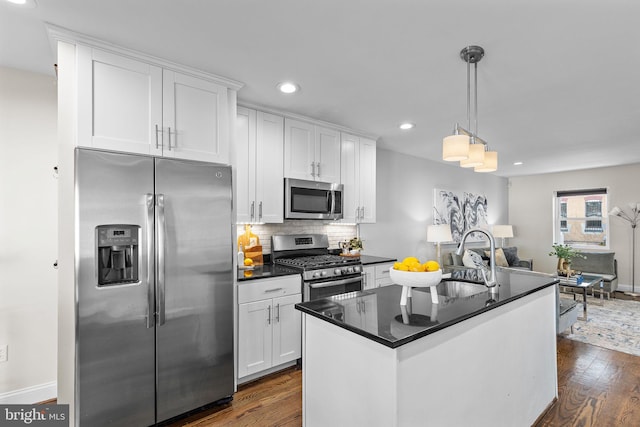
x=492, y=281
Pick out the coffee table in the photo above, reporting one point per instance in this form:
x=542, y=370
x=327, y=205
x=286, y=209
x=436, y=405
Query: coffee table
x=588, y=281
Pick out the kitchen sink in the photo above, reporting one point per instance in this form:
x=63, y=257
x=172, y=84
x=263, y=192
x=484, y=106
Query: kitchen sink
x=456, y=289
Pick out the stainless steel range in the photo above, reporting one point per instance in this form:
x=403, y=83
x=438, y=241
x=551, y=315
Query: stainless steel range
x=323, y=274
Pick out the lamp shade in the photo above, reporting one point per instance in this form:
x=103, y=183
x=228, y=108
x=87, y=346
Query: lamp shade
x=455, y=148
x=476, y=156
x=504, y=231
x=439, y=233
x=490, y=162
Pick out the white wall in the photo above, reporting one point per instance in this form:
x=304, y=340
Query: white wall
x=404, y=206
x=531, y=212
x=28, y=232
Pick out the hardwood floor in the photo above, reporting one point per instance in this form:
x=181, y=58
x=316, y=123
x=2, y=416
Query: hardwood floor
x=596, y=387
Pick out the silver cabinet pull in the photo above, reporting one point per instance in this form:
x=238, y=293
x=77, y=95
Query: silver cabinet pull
x=278, y=313
x=169, y=139
x=260, y=211
x=313, y=169
x=318, y=169
x=269, y=315
x=272, y=290
x=158, y=130
x=161, y=234
x=362, y=214
x=253, y=210
x=150, y=267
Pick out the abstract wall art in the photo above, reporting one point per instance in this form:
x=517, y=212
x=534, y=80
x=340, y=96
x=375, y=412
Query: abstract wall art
x=461, y=211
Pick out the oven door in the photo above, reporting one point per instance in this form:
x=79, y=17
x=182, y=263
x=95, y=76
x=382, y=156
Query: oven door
x=323, y=289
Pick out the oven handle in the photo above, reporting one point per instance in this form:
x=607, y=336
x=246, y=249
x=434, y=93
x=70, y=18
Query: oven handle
x=335, y=282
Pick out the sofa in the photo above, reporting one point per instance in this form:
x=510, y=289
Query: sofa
x=510, y=253
x=599, y=264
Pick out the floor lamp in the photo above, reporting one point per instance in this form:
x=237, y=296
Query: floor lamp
x=438, y=234
x=633, y=220
x=502, y=231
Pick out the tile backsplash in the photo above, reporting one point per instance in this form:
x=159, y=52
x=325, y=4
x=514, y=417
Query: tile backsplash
x=336, y=232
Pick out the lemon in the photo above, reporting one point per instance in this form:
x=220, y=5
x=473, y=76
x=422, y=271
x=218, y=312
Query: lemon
x=248, y=261
x=402, y=267
x=410, y=260
x=431, y=266
x=417, y=268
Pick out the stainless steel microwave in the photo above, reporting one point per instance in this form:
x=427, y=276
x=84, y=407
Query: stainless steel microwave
x=312, y=199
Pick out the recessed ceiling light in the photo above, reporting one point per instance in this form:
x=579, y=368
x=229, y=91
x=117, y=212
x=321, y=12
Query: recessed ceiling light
x=517, y=163
x=288, y=87
x=407, y=126
x=24, y=3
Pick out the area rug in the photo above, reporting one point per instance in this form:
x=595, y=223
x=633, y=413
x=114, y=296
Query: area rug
x=614, y=325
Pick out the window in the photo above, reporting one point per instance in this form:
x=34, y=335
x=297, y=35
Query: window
x=580, y=218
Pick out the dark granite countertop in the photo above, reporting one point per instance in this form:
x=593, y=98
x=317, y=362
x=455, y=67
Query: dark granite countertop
x=376, y=314
x=264, y=271
x=370, y=259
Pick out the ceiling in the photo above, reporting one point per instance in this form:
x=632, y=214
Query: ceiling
x=558, y=88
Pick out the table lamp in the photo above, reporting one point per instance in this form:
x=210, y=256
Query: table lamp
x=502, y=231
x=438, y=234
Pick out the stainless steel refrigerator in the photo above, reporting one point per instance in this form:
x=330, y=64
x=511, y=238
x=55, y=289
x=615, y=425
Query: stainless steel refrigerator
x=154, y=288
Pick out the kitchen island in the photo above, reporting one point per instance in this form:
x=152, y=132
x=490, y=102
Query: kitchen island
x=472, y=359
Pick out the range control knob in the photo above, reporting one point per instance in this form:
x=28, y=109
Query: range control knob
x=316, y=274
x=324, y=273
x=337, y=272
x=357, y=269
x=350, y=269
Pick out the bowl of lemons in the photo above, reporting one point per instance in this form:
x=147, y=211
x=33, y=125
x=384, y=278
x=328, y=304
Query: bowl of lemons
x=411, y=273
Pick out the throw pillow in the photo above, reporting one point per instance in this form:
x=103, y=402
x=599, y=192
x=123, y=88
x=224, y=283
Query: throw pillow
x=501, y=260
x=472, y=260
x=511, y=254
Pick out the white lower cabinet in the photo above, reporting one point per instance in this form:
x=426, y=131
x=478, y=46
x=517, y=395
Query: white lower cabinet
x=269, y=326
x=377, y=275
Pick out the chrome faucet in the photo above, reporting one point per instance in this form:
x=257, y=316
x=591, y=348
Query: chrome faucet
x=492, y=281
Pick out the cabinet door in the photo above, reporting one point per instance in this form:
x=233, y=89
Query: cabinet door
x=383, y=278
x=327, y=157
x=269, y=175
x=287, y=329
x=349, y=177
x=368, y=277
x=367, y=180
x=254, y=337
x=195, y=118
x=119, y=102
x=299, y=149
x=245, y=154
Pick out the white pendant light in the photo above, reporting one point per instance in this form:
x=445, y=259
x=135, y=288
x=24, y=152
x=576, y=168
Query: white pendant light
x=476, y=156
x=472, y=152
x=490, y=163
x=455, y=148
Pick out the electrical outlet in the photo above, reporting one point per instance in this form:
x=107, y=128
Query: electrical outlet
x=4, y=352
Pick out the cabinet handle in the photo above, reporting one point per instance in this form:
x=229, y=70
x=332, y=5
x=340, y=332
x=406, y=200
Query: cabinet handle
x=269, y=316
x=364, y=306
x=273, y=290
x=158, y=130
x=318, y=169
x=169, y=139
x=260, y=211
x=313, y=169
x=278, y=313
x=362, y=213
x=253, y=210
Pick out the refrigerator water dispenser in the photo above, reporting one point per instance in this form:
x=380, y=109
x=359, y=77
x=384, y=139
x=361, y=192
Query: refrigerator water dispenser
x=117, y=250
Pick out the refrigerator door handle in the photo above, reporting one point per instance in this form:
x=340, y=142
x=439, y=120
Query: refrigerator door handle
x=160, y=282
x=151, y=314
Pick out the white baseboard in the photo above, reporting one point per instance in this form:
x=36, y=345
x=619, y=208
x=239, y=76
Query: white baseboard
x=30, y=395
x=626, y=288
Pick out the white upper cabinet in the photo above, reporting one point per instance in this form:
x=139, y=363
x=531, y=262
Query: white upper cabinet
x=258, y=150
x=130, y=105
x=311, y=152
x=358, y=176
x=195, y=118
